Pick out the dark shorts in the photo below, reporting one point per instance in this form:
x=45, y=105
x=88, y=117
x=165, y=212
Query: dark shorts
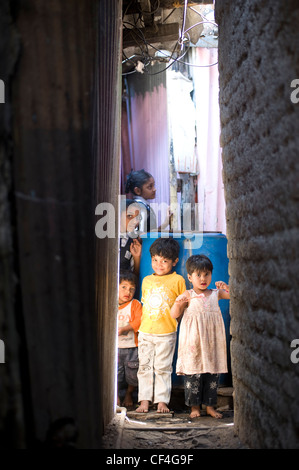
x=201, y=389
x=127, y=366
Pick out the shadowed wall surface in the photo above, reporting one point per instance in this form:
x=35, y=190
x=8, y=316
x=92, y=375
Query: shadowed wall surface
x=59, y=157
x=52, y=103
x=258, y=59
x=107, y=140
x=51, y=146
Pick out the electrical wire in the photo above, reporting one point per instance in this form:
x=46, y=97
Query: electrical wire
x=197, y=24
x=189, y=29
x=140, y=11
x=183, y=25
x=171, y=64
x=178, y=59
x=145, y=56
x=195, y=65
x=161, y=71
x=153, y=11
x=153, y=59
x=126, y=10
x=203, y=17
x=167, y=55
x=165, y=19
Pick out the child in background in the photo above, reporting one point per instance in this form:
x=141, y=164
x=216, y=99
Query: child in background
x=129, y=317
x=202, y=343
x=142, y=185
x=157, y=332
x=130, y=246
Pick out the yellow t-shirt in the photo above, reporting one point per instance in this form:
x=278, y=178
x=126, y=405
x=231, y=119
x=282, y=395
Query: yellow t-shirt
x=158, y=296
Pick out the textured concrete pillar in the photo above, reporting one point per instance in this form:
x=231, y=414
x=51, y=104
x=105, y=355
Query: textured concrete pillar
x=258, y=59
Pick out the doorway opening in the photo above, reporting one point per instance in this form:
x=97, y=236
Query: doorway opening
x=171, y=129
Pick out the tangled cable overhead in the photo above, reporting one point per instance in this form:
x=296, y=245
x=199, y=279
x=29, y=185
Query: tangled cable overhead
x=141, y=61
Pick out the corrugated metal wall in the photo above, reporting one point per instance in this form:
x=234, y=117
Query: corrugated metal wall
x=12, y=432
x=148, y=130
x=65, y=160
x=107, y=140
x=53, y=188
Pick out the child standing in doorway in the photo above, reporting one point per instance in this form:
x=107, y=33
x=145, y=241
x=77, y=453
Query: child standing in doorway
x=202, y=351
x=141, y=185
x=157, y=332
x=129, y=317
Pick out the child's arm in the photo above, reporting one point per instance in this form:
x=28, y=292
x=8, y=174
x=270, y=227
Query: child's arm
x=136, y=310
x=179, y=305
x=124, y=330
x=223, y=290
x=135, y=249
x=167, y=220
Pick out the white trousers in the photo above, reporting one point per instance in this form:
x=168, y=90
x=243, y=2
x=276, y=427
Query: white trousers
x=155, y=354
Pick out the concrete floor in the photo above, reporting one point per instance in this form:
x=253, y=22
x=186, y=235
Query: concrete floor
x=130, y=430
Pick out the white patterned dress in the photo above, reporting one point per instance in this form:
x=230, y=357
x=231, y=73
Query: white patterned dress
x=202, y=340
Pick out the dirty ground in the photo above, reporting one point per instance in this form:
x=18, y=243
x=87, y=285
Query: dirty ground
x=130, y=430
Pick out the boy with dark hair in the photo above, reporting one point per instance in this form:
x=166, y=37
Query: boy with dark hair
x=157, y=332
x=167, y=247
x=129, y=317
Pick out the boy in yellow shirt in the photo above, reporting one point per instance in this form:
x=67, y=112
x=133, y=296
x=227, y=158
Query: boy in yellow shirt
x=157, y=332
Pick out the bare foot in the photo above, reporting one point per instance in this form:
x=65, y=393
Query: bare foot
x=143, y=407
x=195, y=412
x=162, y=408
x=128, y=401
x=213, y=413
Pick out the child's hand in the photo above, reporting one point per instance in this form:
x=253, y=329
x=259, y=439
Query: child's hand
x=169, y=213
x=185, y=297
x=168, y=219
x=222, y=285
x=122, y=331
x=223, y=289
x=179, y=305
x=136, y=248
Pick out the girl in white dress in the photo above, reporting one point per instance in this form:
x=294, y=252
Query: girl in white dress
x=202, y=353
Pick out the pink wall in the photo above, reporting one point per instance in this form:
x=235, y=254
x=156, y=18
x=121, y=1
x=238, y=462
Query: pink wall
x=148, y=131
x=145, y=143
x=210, y=184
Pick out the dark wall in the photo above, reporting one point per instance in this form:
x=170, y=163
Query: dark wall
x=107, y=139
x=258, y=60
x=12, y=432
x=54, y=164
